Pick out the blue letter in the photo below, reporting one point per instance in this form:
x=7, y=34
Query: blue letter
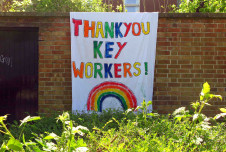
x=117, y=29
x=108, y=49
x=107, y=70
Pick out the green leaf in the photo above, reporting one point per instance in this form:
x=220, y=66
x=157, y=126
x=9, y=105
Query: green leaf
x=138, y=107
x=30, y=143
x=51, y=136
x=14, y=144
x=149, y=103
x=29, y=118
x=64, y=117
x=201, y=97
x=179, y=117
x=81, y=143
x=24, y=141
x=153, y=114
x=216, y=96
x=40, y=142
x=220, y=115
x=3, y=147
x=195, y=105
x=36, y=149
x=2, y=118
x=206, y=88
x=223, y=110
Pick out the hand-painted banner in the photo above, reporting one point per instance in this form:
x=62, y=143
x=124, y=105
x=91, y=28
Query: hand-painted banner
x=113, y=59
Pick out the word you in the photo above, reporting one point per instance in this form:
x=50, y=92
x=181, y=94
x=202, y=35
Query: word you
x=89, y=70
x=6, y=60
x=112, y=29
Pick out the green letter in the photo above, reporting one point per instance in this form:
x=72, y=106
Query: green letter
x=108, y=30
x=96, y=70
x=97, y=49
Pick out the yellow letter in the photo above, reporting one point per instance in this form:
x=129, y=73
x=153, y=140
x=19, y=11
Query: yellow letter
x=137, y=68
x=148, y=28
x=91, y=70
x=99, y=29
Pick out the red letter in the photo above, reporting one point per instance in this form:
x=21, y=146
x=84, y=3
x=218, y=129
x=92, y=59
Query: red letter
x=77, y=23
x=120, y=48
x=127, y=28
x=77, y=71
x=117, y=69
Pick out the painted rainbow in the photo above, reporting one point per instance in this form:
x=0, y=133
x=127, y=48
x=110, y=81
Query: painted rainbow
x=111, y=89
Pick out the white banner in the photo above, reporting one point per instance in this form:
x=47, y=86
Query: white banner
x=113, y=59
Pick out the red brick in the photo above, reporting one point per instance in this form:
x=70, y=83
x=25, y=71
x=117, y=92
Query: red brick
x=184, y=62
x=197, y=71
x=58, y=52
x=210, y=62
x=184, y=53
x=197, y=53
x=187, y=30
x=210, y=35
x=160, y=66
x=183, y=71
x=219, y=30
x=163, y=62
x=220, y=58
x=186, y=66
x=184, y=80
x=163, y=53
x=173, y=29
x=211, y=25
x=173, y=84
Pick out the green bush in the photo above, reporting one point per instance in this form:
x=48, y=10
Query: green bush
x=203, y=6
x=113, y=130
x=58, y=6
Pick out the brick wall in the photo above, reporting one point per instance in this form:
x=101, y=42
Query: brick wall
x=191, y=49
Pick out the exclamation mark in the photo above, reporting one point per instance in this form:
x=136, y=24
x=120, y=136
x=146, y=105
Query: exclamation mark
x=146, y=68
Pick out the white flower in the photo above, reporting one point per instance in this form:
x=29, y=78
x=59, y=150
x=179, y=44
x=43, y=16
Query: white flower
x=81, y=149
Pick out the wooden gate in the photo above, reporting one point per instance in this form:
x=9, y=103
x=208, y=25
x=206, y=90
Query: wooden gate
x=18, y=72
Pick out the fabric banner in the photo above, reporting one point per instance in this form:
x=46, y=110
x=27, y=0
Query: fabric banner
x=113, y=59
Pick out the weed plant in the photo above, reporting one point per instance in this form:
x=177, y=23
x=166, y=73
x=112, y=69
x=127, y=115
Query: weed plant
x=114, y=130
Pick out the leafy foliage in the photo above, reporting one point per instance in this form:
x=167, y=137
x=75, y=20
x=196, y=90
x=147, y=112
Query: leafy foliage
x=65, y=142
x=223, y=114
x=13, y=144
x=192, y=6
x=59, y=6
x=134, y=130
